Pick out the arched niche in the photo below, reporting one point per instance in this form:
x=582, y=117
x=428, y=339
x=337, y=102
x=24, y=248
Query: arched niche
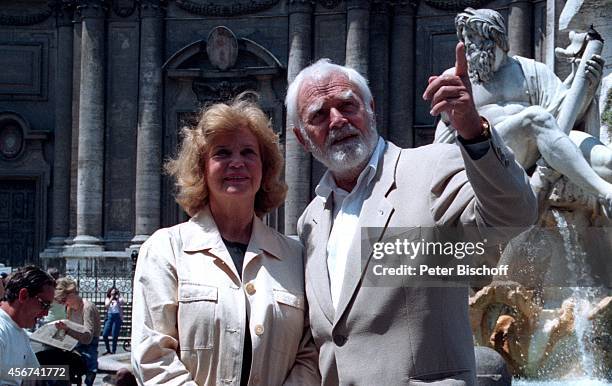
x=24, y=183
x=194, y=77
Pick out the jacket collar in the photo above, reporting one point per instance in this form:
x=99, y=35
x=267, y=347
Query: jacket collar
x=202, y=234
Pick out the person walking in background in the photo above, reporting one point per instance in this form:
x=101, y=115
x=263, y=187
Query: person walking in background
x=83, y=312
x=114, y=318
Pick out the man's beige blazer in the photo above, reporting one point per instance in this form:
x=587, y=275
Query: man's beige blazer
x=406, y=335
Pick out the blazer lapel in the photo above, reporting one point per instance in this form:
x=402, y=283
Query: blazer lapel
x=374, y=216
x=317, y=265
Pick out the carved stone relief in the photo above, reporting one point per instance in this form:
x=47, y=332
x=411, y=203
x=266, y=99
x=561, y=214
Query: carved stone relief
x=224, y=7
x=25, y=14
x=222, y=48
x=455, y=5
x=11, y=140
x=330, y=4
x=215, y=91
x=124, y=8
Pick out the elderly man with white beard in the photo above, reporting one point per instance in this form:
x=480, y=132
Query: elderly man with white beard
x=394, y=335
x=522, y=98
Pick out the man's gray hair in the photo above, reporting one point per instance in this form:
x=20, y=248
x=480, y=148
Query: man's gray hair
x=486, y=22
x=319, y=70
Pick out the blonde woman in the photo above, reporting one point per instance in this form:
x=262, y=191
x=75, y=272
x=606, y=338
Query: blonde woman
x=80, y=311
x=220, y=299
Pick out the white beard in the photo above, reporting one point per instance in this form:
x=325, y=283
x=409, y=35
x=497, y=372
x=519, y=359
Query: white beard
x=347, y=155
x=480, y=65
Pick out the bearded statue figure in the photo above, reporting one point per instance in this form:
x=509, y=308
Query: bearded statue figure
x=522, y=99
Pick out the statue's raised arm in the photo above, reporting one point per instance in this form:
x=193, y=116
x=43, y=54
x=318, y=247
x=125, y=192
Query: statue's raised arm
x=523, y=99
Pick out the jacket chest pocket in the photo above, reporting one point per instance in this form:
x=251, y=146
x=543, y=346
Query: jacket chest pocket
x=289, y=319
x=196, y=315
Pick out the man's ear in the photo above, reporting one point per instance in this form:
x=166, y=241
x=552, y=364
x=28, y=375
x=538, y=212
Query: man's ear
x=372, y=105
x=300, y=138
x=23, y=295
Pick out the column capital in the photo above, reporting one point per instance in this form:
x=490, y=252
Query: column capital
x=381, y=6
x=303, y=6
x=64, y=12
x=405, y=7
x=152, y=8
x=357, y=4
x=92, y=8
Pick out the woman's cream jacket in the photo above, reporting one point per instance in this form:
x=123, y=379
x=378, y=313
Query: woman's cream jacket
x=190, y=308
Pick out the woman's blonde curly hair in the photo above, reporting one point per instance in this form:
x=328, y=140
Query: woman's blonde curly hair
x=64, y=287
x=226, y=118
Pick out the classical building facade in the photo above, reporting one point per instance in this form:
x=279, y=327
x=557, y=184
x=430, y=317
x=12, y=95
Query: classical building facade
x=93, y=94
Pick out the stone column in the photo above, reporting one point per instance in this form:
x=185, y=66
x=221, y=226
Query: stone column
x=297, y=161
x=379, y=54
x=555, y=38
x=520, y=27
x=401, y=95
x=60, y=200
x=90, y=172
x=149, y=142
x=358, y=35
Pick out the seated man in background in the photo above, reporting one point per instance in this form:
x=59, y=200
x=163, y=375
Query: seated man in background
x=29, y=294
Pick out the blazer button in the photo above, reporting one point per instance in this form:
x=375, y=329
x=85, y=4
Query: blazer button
x=250, y=288
x=259, y=330
x=340, y=340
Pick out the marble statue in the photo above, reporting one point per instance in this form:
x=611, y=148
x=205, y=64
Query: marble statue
x=532, y=109
x=551, y=316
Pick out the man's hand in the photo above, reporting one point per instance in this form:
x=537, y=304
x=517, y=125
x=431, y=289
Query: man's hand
x=452, y=95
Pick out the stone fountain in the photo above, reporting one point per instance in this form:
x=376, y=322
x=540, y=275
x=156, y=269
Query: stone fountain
x=551, y=317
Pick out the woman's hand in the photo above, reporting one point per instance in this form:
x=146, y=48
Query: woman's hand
x=61, y=326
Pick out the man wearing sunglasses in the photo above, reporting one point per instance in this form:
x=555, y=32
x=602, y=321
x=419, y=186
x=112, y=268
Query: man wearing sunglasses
x=28, y=296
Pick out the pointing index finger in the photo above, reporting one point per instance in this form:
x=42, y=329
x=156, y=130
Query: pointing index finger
x=461, y=66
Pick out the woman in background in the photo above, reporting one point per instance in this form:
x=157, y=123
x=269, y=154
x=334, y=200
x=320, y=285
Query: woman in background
x=114, y=318
x=80, y=311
